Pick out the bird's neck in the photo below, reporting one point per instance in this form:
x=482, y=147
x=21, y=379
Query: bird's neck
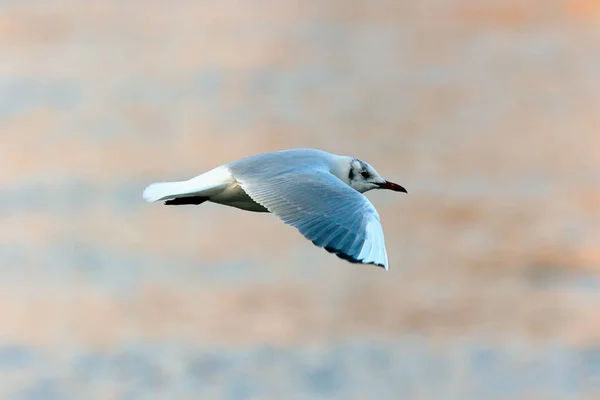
x=340, y=167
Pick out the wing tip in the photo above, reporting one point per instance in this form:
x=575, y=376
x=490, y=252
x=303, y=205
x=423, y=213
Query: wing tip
x=384, y=266
x=353, y=260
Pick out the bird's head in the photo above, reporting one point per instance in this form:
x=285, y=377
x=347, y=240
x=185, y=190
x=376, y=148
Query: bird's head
x=363, y=177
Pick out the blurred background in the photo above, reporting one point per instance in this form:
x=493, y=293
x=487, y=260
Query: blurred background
x=486, y=111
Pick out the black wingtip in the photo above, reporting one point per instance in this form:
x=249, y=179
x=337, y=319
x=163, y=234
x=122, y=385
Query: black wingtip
x=192, y=200
x=349, y=258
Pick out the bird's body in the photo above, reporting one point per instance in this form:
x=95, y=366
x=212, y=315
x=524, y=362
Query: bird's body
x=317, y=192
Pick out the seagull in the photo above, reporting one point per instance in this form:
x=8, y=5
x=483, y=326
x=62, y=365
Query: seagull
x=318, y=193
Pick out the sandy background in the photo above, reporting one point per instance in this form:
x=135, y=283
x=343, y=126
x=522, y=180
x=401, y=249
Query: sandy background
x=487, y=112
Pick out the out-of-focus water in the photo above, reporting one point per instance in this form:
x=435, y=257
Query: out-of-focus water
x=487, y=112
x=410, y=367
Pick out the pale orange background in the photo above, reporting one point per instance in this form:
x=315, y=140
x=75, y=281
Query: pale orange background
x=486, y=111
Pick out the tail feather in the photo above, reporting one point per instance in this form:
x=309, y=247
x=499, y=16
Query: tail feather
x=205, y=185
x=164, y=191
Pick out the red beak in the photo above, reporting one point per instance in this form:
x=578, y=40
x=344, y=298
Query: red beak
x=392, y=186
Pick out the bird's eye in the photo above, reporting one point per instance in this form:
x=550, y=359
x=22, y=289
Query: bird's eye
x=365, y=174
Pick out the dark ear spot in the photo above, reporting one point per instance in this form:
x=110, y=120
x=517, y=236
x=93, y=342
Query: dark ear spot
x=351, y=174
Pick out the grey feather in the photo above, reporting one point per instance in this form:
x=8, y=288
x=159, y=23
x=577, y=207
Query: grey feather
x=302, y=192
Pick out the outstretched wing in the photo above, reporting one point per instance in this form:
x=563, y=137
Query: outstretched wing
x=325, y=210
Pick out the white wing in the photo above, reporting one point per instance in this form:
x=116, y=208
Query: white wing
x=324, y=209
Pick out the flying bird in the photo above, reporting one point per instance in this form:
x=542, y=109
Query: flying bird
x=318, y=193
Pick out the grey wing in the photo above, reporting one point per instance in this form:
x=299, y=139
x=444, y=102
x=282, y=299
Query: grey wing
x=325, y=210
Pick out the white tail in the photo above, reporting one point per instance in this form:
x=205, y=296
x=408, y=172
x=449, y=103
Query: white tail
x=207, y=184
x=165, y=191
